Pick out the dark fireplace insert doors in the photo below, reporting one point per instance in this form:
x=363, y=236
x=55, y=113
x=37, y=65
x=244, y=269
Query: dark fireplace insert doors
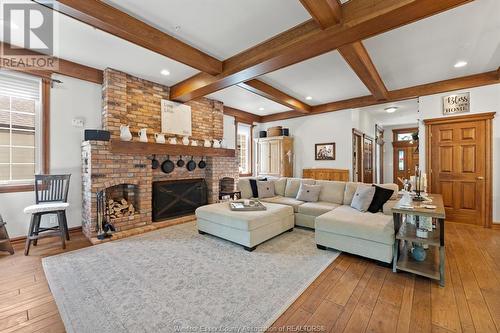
x=172, y=198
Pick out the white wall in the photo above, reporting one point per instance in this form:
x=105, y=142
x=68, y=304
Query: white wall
x=307, y=131
x=229, y=132
x=71, y=99
x=483, y=99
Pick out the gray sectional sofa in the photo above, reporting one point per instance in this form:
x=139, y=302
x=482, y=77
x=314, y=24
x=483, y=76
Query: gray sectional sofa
x=336, y=224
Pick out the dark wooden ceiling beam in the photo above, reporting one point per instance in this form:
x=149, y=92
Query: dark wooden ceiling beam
x=357, y=57
x=265, y=90
x=104, y=17
x=325, y=12
x=242, y=116
x=362, y=19
x=460, y=83
x=63, y=67
x=498, y=73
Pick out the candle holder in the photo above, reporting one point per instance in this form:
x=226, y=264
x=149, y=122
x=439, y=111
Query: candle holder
x=418, y=185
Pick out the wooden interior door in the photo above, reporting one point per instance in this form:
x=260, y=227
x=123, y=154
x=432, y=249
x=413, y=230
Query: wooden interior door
x=458, y=169
x=405, y=160
x=357, y=144
x=367, y=159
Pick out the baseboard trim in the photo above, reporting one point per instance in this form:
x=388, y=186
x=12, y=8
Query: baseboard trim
x=22, y=239
x=495, y=225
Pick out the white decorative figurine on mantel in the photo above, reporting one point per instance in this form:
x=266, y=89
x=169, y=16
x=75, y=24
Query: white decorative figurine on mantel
x=143, y=137
x=160, y=137
x=185, y=140
x=125, y=134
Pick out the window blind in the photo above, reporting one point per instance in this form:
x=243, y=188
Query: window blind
x=19, y=86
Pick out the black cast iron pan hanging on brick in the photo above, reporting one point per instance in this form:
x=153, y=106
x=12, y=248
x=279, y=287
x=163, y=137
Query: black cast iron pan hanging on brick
x=202, y=164
x=191, y=165
x=167, y=166
x=180, y=162
x=155, y=164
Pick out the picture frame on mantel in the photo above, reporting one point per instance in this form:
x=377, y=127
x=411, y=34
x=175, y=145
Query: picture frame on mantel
x=324, y=151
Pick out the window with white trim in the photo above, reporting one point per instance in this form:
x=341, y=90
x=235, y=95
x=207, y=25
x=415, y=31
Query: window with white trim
x=244, y=148
x=20, y=130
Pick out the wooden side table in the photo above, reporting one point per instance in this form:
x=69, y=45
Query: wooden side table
x=433, y=265
x=5, y=244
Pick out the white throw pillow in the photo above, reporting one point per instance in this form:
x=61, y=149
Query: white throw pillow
x=363, y=198
x=309, y=193
x=265, y=189
x=279, y=186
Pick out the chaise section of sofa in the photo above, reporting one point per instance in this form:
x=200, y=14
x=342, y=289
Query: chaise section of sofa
x=336, y=224
x=365, y=234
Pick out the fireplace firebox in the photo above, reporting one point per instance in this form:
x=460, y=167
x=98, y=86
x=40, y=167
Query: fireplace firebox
x=174, y=198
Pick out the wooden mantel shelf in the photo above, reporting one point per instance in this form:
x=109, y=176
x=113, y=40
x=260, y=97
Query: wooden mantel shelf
x=150, y=148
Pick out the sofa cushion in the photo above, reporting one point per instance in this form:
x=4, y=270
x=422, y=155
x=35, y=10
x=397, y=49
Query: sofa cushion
x=387, y=208
x=308, y=193
x=350, y=189
x=279, y=186
x=380, y=198
x=253, y=185
x=265, y=189
x=245, y=188
x=316, y=208
x=348, y=221
x=331, y=191
x=221, y=214
x=293, y=185
x=285, y=201
x=363, y=198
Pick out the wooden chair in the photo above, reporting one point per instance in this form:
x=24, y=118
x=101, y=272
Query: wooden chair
x=5, y=244
x=51, y=198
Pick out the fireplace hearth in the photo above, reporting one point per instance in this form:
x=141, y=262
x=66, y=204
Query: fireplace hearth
x=174, y=198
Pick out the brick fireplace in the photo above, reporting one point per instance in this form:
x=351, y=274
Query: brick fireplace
x=136, y=102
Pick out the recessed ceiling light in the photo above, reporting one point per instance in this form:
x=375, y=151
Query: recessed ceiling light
x=309, y=98
x=460, y=64
x=261, y=109
x=165, y=72
x=391, y=109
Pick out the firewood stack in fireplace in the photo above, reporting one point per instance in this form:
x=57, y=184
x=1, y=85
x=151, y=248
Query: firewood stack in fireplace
x=119, y=208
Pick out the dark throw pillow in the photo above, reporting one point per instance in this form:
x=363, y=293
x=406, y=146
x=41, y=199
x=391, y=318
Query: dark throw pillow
x=253, y=185
x=382, y=195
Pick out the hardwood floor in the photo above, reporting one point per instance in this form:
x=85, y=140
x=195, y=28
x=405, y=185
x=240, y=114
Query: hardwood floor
x=351, y=295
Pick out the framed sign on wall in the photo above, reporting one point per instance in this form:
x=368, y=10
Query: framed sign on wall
x=457, y=103
x=175, y=118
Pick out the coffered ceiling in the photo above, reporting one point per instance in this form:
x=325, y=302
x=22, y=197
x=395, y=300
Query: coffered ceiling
x=343, y=54
x=242, y=99
x=325, y=78
x=427, y=50
x=221, y=28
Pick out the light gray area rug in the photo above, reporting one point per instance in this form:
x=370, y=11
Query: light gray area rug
x=175, y=280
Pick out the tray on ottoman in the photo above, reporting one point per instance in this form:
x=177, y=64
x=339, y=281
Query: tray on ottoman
x=239, y=206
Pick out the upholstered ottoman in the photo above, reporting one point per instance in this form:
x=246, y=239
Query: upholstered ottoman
x=245, y=228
